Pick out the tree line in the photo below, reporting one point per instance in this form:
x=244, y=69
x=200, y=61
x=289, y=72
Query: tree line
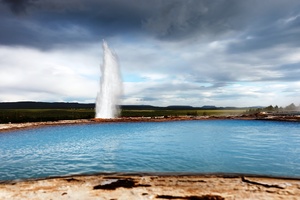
x=275, y=109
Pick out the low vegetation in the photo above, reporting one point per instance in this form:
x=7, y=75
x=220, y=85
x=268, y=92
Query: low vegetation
x=38, y=115
x=169, y=112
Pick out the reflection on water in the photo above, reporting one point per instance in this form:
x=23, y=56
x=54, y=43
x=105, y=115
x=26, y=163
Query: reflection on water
x=258, y=147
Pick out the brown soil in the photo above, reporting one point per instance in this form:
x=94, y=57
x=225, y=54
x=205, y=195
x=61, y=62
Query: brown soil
x=14, y=126
x=118, y=186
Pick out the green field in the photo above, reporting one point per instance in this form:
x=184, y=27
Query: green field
x=38, y=115
x=153, y=113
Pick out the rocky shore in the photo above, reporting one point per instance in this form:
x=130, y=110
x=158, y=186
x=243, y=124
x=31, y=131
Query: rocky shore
x=155, y=186
x=14, y=126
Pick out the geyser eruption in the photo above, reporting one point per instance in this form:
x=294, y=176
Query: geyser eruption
x=110, y=85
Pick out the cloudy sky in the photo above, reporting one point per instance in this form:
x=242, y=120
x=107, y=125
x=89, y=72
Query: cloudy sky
x=171, y=52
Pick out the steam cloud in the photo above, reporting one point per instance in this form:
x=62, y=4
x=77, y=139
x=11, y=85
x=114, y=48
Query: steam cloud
x=108, y=98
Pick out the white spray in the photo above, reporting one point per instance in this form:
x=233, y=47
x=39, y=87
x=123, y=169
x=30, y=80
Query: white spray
x=108, y=98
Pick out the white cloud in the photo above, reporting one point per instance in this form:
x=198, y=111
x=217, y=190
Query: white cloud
x=204, y=73
x=163, y=74
x=30, y=74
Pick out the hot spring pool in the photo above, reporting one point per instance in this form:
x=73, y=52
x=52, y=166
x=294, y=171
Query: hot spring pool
x=227, y=146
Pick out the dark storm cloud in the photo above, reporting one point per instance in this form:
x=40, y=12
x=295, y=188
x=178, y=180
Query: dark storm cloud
x=183, y=19
x=46, y=23
x=18, y=6
x=276, y=32
x=213, y=20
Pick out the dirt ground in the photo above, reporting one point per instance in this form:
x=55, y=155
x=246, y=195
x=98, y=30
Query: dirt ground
x=13, y=126
x=116, y=186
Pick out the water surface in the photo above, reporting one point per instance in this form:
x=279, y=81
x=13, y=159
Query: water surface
x=229, y=146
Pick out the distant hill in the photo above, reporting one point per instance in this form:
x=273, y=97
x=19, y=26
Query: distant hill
x=44, y=105
x=179, y=107
x=74, y=105
x=208, y=107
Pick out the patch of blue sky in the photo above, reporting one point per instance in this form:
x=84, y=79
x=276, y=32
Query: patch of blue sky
x=132, y=78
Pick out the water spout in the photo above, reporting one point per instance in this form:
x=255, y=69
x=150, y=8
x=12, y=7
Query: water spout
x=108, y=99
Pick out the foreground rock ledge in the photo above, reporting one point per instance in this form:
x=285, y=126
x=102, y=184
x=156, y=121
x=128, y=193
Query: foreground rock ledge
x=118, y=186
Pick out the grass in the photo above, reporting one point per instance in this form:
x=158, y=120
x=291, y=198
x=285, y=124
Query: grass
x=152, y=113
x=38, y=115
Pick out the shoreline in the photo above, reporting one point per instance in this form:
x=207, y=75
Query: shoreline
x=157, y=174
x=153, y=186
x=17, y=126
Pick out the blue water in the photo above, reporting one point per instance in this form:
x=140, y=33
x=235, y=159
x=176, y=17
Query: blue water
x=229, y=146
